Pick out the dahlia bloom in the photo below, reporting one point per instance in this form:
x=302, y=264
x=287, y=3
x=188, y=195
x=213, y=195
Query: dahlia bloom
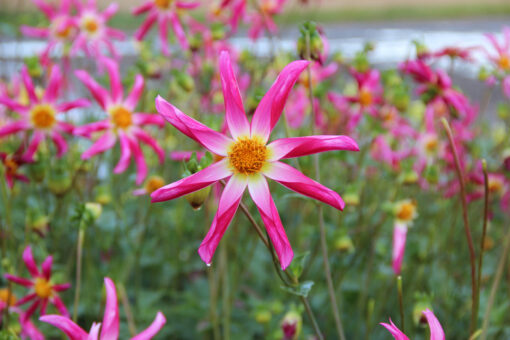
x=94, y=34
x=110, y=326
x=405, y=213
x=263, y=17
x=42, y=290
x=499, y=186
x=123, y=122
x=456, y=52
x=164, y=12
x=247, y=159
x=501, y=57
x=12, y=164
x=41, y=114
x=237, y=12
x=436, y=331
x=61, y=30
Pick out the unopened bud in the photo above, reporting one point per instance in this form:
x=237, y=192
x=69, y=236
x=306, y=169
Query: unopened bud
x=291, y=325
x=93, y=209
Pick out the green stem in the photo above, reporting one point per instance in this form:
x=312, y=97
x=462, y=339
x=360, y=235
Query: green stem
x=322, y=228
x=225, y=292
x=79, y=253
x=401, y=302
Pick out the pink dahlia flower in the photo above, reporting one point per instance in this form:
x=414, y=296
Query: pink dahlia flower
x=42, y=290
x=12, y=163
x=263, y=17
x=436, y=331
x=247, y=159
x=109, y=329
x=94, y=34
x=41, y=114
x=501, y=57
x=62, y=28
x=164, y=12
x=123, y=123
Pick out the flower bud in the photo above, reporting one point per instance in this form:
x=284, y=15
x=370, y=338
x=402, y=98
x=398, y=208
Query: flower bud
x=103, y=195
x=37, y=222
x=344, y=244
x=37, y=171
x=59, y=182
x=196, y=199
x=93, y=209
x=185, y=81
x=291, y=325
x=263, y=316
x=310, y=32
x=218, y=31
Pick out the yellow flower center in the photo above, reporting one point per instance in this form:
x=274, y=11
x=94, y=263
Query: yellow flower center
x=365, y=97
x=42, y=288
x=11, y=166
x=90, y=24
x=268, y=6
x=495, y=185
x=431, y=144
x=42, y=116
x=163, y=4
x=248, y=155
x=405, y=211
x=121, y=117
x=7, y=296
x=504, y=62
x=61, y=31
x=153, y=184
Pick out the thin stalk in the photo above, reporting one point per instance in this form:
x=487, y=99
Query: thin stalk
x=225, y=291
x=79, y=253
x=213, y=292
x=495, y=285
x=484, y=234
x=127, y=310
x=401, y=302
x=7, y=231
x=467, y=230
x=322, y=228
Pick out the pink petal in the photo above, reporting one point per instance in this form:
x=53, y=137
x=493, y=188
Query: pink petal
x=19, y=280
x=397, y=333
x=72, y=330
x=110, y=329
x=87, y=129
x=45, y=8
x=197, y=181
x=136, y=91
x=115, y=83
x=259, y=191
x=26, y=298
x=28, y=329
x=60, y=143
x=61, y=287
x=187, y=5
x=214, y=141
x=57, y=302
x=302, y=146
x=11, y=128
x=53, y=86
x=35, y=32
x=234, y=111
x=37, y=137
x=66, y=106
x=105, y=142
x=97, y=91
x=31, y=310
x=153, y=329
x=13, y=105
x=436, y=331
x=179, y=31
x=28, y=258
x=29, y=85
x=296, y=181
x=399, y=244
x=125, y=155
x=271, y=106
x=163, y=35
x=143, y=7
x=110, y=11
x=229, y=201
x=185, y=155
x=148, y=119
x=141, y=165
x=506, y=86
x=46, y=267
x=44, y=306
x=144, y=137
x=146, y=25
x=94, y=331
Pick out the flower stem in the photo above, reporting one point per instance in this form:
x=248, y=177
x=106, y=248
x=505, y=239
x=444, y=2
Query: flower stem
x=127, y=309
x=467, y=230
x=495, y=285
x=79, y=253
x=401, y=302
x=484, y=233
x=322, y=228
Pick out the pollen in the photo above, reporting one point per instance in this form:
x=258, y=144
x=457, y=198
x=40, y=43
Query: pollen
x=7, y=297
x=495, y=185
x=153, y=184
x=163, y=4
x=431, y=144
x=42, y=116
x=121, y=117
x=42, y=288
x=365, y=97
x=11, y=166
x=248, y=155
x=406, y=211
x=504, y=62
x=90, y=25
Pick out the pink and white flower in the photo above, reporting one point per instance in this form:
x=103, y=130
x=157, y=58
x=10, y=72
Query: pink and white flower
x=109, y=328
x=41, y=115
x=123, y=123
x=42, y=289
x=248, y=159
x=436, y=331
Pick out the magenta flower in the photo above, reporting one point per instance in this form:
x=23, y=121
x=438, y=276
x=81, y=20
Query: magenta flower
x=41, y=115
x=42, y=290
x=164, y=12
x=94, y=34
x=12, y=164
x=436, y=331
x=501, y=57
x=399, y=244
x=109, y=329
x=61, y=30
x=263, y=17
x=123, y=122
x=248, y=159
x=236, y=12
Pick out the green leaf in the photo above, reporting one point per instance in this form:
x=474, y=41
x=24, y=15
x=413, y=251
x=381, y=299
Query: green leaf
x=301, y=290
x=298, y=263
